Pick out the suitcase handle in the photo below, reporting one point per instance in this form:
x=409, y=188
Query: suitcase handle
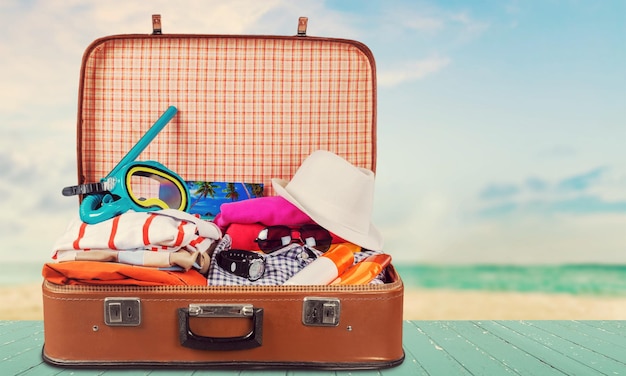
x=194, y=341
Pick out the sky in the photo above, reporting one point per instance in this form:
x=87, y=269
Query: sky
x=501, y=124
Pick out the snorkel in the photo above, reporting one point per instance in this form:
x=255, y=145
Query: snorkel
x=114, y=194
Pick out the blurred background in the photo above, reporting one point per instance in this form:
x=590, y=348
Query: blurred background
x=501, y=175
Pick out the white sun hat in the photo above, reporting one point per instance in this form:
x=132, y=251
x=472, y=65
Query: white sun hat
x=337, y=195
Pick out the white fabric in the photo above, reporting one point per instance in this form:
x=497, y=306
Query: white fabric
x=166, y=230
x=337, y=195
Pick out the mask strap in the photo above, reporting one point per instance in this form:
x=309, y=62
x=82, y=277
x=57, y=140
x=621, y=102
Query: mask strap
x=84, y=189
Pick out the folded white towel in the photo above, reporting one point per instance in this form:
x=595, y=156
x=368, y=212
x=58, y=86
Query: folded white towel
x=150, y=233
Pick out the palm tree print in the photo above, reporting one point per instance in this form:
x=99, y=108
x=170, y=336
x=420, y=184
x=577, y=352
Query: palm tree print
x=252, y=190
x=231, y=192
x=257, y=189
x=205, y=189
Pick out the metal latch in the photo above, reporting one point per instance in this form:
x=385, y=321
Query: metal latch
x=122, y=311
x=221, y=310
x=321, y=311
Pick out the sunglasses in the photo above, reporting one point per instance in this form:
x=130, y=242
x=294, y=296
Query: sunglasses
x=273, y=238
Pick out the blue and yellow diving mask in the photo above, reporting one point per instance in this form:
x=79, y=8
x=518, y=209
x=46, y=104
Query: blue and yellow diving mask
x=140, y=186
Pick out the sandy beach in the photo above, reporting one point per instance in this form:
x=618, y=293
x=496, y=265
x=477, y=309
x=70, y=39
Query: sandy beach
x=24, y=302
x=439, y=304
x=21, y=302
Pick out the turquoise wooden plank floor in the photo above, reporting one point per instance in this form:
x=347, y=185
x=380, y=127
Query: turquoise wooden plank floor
x=431, y=347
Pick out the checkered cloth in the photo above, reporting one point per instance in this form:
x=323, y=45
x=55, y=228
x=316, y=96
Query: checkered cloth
x=279, y=265
x=249, y=108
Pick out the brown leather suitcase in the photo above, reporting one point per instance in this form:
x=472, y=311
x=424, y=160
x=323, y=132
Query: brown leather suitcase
x=251, y=108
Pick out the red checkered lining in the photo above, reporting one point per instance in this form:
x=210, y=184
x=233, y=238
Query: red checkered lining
x=249, y=108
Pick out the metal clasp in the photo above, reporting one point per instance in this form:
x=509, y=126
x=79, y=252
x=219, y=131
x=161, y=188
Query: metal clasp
x=122, y=311
x=321, y=311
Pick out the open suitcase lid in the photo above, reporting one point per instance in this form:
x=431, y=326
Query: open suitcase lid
x=250, y=108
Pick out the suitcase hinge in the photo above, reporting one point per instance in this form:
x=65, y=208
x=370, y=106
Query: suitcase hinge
x=302, y=24
x=156, y=24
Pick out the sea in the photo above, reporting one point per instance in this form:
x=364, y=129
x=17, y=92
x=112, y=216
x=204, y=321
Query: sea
x=576, y=279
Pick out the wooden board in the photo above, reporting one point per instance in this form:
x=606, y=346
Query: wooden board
x=431, y=347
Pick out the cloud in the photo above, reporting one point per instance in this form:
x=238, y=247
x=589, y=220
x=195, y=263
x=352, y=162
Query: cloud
x=534, y=221
x=470, y=26
x=498, y=210
x=537, y=240
x=536, y=185
x=585, y=204
x=47, y=40
x=43, y=43
x=559, y=151
x=581, y=205
x=435, y=232
x=499, y=191
x=580, y=194
x=432, y=20
x=17, y=171
x=423, y=23
x=455, y=203
x=582, y=181
x=412, y=70
x=9, y=227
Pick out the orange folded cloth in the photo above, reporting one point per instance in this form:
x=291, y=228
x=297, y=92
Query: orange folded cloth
x=110, y=273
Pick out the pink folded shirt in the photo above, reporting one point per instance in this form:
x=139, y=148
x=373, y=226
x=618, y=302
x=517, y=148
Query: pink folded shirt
x=270, y=211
